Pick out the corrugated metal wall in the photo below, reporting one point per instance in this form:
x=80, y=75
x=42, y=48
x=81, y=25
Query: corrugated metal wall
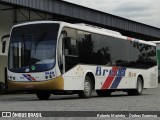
x=87, y=14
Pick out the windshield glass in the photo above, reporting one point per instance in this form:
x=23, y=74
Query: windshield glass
x=33, y=47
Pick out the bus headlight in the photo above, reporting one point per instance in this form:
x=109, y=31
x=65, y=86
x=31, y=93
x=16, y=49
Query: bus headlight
x=50, y=76
x=11, y=78
x=46, y=77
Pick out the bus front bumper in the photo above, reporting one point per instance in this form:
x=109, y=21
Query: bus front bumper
x=54, y=84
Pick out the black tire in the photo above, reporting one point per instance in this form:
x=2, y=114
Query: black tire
x=103, y=93
x=43, y=95
x=2, y=88
x=139, y=88
x=87, y=92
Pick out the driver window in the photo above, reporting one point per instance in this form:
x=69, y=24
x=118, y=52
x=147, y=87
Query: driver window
x=71, y=46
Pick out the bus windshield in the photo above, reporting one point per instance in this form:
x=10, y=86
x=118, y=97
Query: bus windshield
x=32, y=47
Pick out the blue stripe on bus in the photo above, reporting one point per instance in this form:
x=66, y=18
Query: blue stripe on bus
x=117, y=80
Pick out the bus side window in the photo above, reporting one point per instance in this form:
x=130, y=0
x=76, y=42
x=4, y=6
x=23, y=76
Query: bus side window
x=70, y=52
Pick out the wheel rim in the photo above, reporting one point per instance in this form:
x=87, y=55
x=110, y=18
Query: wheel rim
x=87, y=87
x=139, y=86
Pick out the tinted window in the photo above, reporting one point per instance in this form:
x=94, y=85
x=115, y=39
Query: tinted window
x=96, y=49
x=32, y=47
x=141, y=55
x=70, y=47
x=104, y=50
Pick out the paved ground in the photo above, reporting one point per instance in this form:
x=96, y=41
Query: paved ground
x=119, y=101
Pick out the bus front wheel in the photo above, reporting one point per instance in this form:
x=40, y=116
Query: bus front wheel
x=43, y=95
x=87, y=92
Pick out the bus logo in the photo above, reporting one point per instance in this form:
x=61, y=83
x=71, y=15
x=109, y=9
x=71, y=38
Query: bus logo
x=103, y=72
x=29, y=77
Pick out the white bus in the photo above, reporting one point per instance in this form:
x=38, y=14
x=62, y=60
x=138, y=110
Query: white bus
x=49, y=57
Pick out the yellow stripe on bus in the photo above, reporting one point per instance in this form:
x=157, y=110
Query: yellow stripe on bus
x=55, y=84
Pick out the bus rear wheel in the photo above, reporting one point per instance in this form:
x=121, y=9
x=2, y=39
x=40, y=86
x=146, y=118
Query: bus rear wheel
x=139, y=88
x=87, y=92
x=103, y=93
x=43, y=95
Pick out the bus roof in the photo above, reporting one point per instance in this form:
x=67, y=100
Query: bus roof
x=157, y=42
x=90, y=28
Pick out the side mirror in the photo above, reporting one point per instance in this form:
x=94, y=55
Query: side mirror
x=4, y=42
x=3, y=46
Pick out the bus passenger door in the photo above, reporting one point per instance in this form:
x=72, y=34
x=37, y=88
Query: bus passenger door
x=70, y=50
